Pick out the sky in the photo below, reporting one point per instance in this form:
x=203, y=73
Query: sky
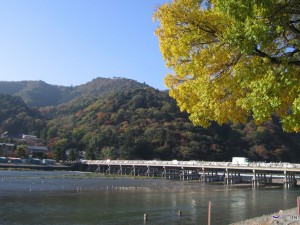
x=71, y=42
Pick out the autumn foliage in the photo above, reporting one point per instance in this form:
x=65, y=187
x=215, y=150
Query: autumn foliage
x=232, y=59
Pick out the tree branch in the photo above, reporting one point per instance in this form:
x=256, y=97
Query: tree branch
x=273, y=59
x=294, y=29
x=264, y=55
x=295, y=21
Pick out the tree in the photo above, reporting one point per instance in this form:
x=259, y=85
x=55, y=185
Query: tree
x=89, y=154
x=22, y=151
x=59, y=149
x=232, y=59
x=73, y=155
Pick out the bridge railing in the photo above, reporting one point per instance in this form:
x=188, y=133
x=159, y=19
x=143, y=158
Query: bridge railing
x=191, y=163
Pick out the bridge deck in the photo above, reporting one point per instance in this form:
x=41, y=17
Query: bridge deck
x=258, y=166
x=262, y=173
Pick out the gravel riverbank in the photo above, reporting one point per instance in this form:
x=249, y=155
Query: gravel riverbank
x=284, y=217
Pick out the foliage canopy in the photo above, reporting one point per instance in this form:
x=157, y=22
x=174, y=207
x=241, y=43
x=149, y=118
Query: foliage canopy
x=232, y=59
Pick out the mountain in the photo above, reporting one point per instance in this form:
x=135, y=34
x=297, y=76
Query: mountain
x=34, y=93
x=17, y=118
x=144, y=123
x=121, y=118
x=39, y=93
x=140, y=123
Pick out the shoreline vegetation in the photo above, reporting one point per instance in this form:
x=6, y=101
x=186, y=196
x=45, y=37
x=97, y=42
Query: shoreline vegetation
x=16, y=166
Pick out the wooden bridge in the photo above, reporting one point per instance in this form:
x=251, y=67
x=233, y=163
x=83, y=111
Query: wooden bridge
x=258, y=173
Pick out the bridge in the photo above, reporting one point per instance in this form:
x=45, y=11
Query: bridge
x=258, y=173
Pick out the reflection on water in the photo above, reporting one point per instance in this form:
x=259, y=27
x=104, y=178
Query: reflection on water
x=39, y=197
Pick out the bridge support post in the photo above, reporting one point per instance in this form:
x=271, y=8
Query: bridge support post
x=217, y=176
x=98, y=169
x=259, y=178
x=203, y=175
x=289, y=179
x=164, y=172
x=270, y=179
x=182, y=173
x=108, y=170
x=226, y=178
x=120, y=170
x=214, y=175
x=254, y=184
x=133, y=171
x=285, y=179
x=235, y=177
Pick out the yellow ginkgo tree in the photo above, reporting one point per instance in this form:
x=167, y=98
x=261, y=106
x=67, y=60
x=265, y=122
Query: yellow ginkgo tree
x=232, y=59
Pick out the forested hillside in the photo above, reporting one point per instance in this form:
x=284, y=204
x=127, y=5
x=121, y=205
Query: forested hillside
x=17, y=118
x=34, y=93
x=121, y=118
x=41, y=94
x=146, y=124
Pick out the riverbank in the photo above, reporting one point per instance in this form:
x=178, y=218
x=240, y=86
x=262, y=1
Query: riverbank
x=288, y=216
x=34, y=166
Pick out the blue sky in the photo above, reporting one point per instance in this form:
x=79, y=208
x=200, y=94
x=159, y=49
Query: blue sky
x=71, y=42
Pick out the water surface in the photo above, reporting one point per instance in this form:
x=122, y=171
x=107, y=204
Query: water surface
x=50, y=197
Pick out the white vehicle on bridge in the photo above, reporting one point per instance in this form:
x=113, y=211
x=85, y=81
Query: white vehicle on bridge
x=240, y=160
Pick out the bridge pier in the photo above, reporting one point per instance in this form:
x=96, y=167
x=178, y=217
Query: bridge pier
x=259, y=178
x=232, y=177
x=173, y=173
x=182, y=174
x=132, y=171
x=188, y=174
x=203, y=171
x=108, y=170
x=120, y=172
x=270, y=180
x=163, y=175
x=289, y=179
x=227, y=178
x=98, y=169
x=202, y=176
x=254, y=179
x=147, y=174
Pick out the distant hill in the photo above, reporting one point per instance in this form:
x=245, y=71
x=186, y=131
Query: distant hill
x=145, y=123
x=39, y=93
x=140, y=123
x=34, y=93
x=121, y=118
x=17, y=118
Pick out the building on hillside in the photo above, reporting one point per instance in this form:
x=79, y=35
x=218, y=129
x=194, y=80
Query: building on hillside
x=37, y=149
x=6, y=149
x=29, y=137
x=30, y=140
x=4, y=135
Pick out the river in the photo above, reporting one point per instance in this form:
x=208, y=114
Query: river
x=64, y=198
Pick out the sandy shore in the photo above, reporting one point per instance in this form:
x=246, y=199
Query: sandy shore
x=285, y=217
